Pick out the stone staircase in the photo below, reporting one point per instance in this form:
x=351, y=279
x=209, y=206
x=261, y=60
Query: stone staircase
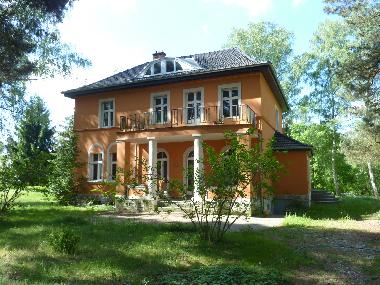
x=322, y=196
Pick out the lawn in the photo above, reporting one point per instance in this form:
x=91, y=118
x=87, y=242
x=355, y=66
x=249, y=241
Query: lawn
x=125, y=252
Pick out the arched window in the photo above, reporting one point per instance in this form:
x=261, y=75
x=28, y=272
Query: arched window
x=95, y=162
x=188, y=164
x=162, y=165
x=112, y=161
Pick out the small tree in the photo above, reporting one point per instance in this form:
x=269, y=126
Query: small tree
x=33, y=143
x=64, y=181
x=223, y=186
x=11, y=183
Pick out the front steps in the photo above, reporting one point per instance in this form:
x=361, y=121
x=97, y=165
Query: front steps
x=322, y=196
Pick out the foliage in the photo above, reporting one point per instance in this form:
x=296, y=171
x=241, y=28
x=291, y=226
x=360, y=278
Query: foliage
x=222, y=187
x=64, y=240
x=11, y=186
x=33, y=143
x=268, y=42
x=31, y=46
x=351, y=178
x=223, y=274
x=350, y=207
x=363, y=151
x=359, y=71
x=64, y=181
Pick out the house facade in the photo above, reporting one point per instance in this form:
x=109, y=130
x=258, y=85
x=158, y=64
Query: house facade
x=163, y=111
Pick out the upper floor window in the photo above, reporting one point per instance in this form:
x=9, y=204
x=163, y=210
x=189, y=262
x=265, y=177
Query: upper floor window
x=107, y=113
x=230, y=100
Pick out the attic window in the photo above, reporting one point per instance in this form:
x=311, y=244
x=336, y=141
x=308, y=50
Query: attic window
x=178, y=66
x=169, y=65
x=157, y=68
x=163, y=66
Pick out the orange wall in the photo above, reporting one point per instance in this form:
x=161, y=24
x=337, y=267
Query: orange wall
x=137, y=100
x=268, y=105
x=294, y=180
x=254, y=90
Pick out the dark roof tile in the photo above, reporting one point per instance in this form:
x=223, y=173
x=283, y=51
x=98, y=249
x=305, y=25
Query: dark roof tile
x=284, y=142
x=211, y=61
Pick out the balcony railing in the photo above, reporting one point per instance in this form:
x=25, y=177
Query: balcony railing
x=179, y=117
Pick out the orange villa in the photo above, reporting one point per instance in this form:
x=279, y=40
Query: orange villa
x=163, y=111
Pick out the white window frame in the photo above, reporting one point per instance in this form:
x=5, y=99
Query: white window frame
x=152, y=104
x=185, y=164
x=91, y=162
x=110, y=162
x=109, y=117
x=220, y=96
x=194, y=90
x=163, y=159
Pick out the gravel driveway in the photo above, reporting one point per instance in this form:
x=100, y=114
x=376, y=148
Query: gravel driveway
x=242, y=223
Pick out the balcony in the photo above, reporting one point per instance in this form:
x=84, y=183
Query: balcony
x=181, y=117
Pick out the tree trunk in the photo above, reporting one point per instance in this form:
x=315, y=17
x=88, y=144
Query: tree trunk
x=372, y=180
x=333, y=166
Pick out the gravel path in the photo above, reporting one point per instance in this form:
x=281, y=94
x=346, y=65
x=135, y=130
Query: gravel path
x=175, y=217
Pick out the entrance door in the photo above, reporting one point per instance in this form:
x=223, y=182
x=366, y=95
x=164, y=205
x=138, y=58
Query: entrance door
x=193, y=107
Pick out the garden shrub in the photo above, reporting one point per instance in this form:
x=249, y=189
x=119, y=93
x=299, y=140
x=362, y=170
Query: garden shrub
x=223, y=275
x=64, y=241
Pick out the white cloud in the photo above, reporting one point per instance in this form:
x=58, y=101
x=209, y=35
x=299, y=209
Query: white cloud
x=254, y=8
x=296, y=3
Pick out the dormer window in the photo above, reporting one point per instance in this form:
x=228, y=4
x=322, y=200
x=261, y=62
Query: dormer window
x=178, y=66
x=169, y=65
x=157, y=67
x=163, y=66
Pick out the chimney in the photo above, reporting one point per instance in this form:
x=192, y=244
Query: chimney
x=159, y=55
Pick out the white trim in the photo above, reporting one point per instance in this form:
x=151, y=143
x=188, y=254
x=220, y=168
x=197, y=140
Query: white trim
x=184, y=95
x=220, y=97
x=100, y=115
x=161, y=93
x=109, y=161
x=89, y=152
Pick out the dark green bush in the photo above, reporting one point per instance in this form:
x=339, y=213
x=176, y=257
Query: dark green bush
x=64, y=241
x=223, y=275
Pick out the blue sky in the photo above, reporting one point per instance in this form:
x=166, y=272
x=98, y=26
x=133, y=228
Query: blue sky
x=118, y=34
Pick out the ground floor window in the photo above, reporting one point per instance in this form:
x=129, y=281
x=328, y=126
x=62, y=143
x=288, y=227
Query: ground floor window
x=190, y=172
x=96, y=166
x=162, y=165
x=113, y=166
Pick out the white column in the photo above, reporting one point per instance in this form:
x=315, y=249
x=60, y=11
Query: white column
x=198, y=163
x=152, y=165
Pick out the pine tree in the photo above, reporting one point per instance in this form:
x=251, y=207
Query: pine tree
x=33, y=143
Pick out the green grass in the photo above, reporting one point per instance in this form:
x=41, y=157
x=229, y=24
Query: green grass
x=125, y=252
x=120, y=252
x=349, y=208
